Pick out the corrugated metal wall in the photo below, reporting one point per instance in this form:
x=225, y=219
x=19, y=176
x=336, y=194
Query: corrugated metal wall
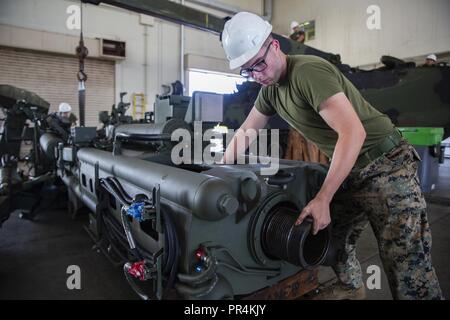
x=53, y=77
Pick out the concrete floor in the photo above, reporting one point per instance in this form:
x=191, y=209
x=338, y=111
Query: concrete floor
x=35, y=255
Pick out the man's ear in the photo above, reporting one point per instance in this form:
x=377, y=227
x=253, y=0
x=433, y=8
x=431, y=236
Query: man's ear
x=276, y=43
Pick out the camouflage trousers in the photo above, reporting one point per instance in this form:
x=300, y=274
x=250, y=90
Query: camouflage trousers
x=386, y=193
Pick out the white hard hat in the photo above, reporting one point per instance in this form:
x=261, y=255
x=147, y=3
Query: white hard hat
x=243, y=36
x=294, y=24
x=64, y=107
x=432, y=57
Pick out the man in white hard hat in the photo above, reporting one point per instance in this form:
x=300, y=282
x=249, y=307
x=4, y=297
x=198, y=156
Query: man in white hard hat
x=295, y=26
x=365, y=148
x=65, y=113
x=430, y=60
x=297, y=33
x=64, y=109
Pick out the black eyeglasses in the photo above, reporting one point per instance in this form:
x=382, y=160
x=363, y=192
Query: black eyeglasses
x=259, y=66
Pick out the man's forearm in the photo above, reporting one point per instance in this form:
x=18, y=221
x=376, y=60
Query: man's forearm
x=238, y=144
x=230, y=151
x=345, y=155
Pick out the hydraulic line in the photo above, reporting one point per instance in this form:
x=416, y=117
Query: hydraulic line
x=125, y=238
x=119, y=187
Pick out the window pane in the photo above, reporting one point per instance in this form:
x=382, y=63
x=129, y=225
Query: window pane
x=213, y=82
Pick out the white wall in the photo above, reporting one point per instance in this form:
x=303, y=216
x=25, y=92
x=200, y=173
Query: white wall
x=153, y=52
x=409, y=28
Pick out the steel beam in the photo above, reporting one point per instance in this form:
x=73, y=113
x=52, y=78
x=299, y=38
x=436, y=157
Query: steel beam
x=170, y=11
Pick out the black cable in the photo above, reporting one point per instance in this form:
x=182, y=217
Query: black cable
x=120, y=188
x=115, y=226
x=111, y=189
x=107, y=222
x=115, y=237
x=115, y=233
x=116, y=189
x=117, y=193
x=168, y=254
x=132, y=283
x=138, y=254
x=129, y=235
x=175, y=249
x=170, y=233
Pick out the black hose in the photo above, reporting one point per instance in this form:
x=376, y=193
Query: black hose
x=168, y=254
x=114, y=190
x=119, y=187
x=131, y=281
x=119, y=234
x=125, y=223
x=111, y=189
x=172, y=245
x=106, y=185
x=114, y=236
x=130, y=239
x=175, y=248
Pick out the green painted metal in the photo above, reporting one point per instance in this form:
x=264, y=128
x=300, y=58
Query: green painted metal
x=423, y=136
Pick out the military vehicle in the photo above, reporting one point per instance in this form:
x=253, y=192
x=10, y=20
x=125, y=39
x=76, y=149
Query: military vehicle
x=167, y=225
x=24, y=114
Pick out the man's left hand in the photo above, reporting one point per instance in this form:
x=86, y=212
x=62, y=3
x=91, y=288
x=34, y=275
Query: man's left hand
x=319, y=210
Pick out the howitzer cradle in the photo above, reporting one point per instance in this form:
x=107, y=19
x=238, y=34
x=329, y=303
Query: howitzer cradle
x=203, y=232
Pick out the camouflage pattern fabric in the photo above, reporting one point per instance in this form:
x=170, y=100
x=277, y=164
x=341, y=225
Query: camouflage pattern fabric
x=386, y=193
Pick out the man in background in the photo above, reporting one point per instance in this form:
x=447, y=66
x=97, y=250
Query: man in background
x=66, y=115
x=430, y=60
x=297, y=34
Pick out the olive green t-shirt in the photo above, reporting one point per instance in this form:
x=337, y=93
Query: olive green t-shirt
x=309, y=81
